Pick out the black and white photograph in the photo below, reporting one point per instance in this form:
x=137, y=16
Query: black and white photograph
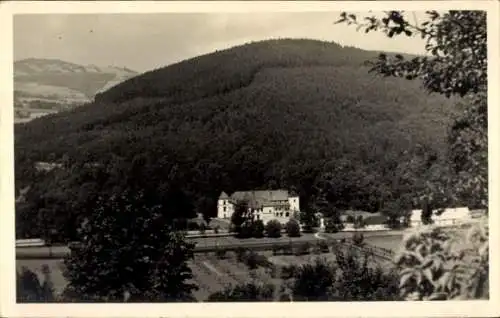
x=251, y=156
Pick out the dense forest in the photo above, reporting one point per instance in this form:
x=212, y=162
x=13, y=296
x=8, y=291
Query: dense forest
x=273, y=114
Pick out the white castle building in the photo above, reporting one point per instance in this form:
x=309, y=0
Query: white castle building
x=266, y=204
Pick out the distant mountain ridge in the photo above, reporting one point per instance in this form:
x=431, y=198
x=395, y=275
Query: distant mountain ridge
x=43, y=86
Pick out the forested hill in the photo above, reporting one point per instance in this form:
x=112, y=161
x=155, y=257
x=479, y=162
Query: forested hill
x=278, y=113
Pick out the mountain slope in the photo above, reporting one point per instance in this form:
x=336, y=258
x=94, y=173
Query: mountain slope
x=280, y=113
x=54, y=85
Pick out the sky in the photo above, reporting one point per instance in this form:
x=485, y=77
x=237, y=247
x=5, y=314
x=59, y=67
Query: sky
x=148, y=41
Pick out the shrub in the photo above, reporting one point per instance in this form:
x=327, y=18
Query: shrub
x=273, y=229
x=246, y=230
x=350, y=219
x=323, y=247
x=203, y=228
x=333, y=225
x=193, y=226
x=302, y=249
x=316, y=249
x=358, y=239
x=288, y=272
x=240, y=254
x=251, y=260
x=220, y=253
x=244, y=292
x=262, y=261
x=258, y=229
x=313, y=282
x=362, y=279
x=292, y=228
x=359, y=223
x=276, y=249
x=287, y=250
x=436, y=264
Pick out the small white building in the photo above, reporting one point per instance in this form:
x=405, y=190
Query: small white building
x=266, y=204
x=448, y=217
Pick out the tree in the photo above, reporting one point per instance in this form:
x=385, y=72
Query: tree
x=127, y=247
x=362, y=279
x=258, y=228
x=397, y=212
x=359, y=222
x=427, y=212
x=207, y=218
x=456, y=41
x=456, y=65
x=350, y=219
x=292, y=228
x=358, y=238
x=240, y=217
x=247, y=229
x=273, y=229
x=309, y=221
x=203, y=228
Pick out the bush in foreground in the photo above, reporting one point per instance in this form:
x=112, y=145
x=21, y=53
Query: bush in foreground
x=313, y=282
x=244, y=292
x=438, y=265
x=128, y=252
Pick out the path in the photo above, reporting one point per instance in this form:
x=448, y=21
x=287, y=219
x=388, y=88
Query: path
x=211, y=268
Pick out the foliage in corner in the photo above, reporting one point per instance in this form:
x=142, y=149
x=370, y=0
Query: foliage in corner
x=437, y=264
x=30, y=288
x=456, y=40
x=433, y=265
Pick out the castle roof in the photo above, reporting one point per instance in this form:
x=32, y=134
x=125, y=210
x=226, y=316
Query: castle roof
x=259, y=198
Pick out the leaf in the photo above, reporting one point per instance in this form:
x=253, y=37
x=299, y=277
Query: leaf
x=404, y=279
x=428, y=263
x=428, y=274
x=438, y=296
